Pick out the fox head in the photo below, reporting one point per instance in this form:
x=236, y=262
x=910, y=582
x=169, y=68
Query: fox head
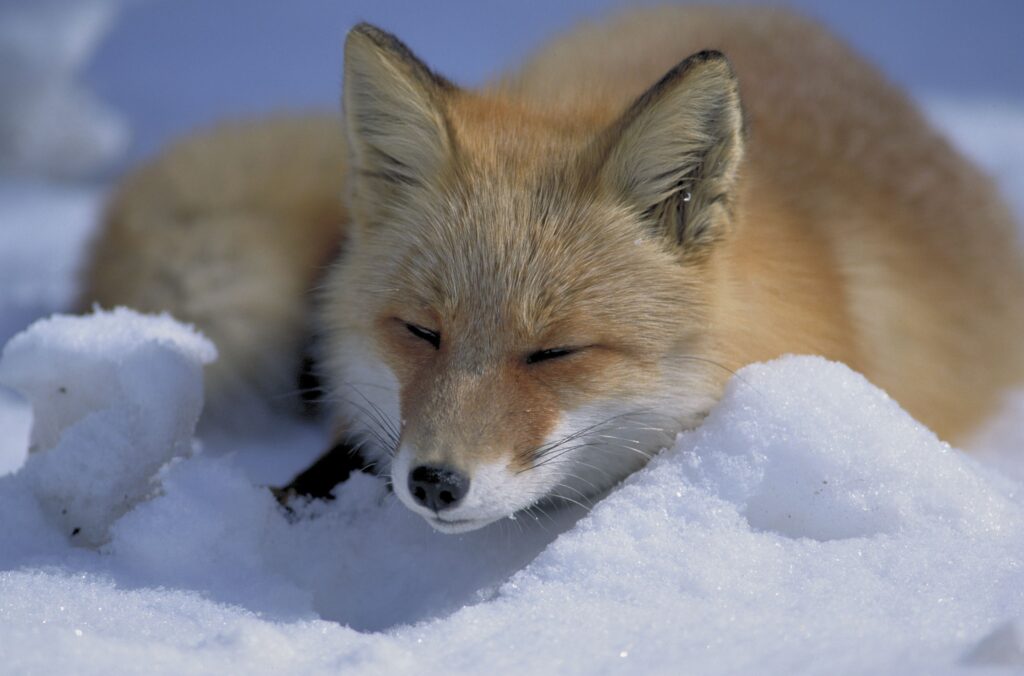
x=522, y=310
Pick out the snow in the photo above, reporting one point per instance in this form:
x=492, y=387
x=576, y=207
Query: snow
x=46, y=229
x=16, y=424
x=809, y=525
x=50, y=124
x=807, y=517
x=993, y=133
x=100, y=428
x=1004, y=647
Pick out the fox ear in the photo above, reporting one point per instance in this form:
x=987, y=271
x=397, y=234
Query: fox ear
x=675, y=153
x=394, y=119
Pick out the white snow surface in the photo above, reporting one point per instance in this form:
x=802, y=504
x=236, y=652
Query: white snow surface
x=115, y=397
x=808, y=526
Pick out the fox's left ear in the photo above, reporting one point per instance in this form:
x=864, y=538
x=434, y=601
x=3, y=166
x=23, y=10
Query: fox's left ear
x=675, y=153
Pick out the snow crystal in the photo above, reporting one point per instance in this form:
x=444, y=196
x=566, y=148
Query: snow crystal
x=114, y=395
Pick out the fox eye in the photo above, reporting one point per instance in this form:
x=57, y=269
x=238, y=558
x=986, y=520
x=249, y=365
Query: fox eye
x=432, y=337
x=553, y=353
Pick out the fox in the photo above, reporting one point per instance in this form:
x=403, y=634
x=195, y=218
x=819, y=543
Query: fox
x=522, y=292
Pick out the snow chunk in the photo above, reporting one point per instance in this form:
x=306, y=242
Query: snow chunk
x=807, y=517
x=115, y=395
x=830, y=456
x=732, y=539
x=728, y=539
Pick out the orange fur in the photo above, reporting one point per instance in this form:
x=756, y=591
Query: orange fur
x=664, y=233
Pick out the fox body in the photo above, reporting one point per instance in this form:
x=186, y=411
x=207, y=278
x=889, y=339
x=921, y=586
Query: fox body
x=534, y=286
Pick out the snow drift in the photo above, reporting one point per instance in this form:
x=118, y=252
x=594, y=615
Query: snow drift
x=808, y=525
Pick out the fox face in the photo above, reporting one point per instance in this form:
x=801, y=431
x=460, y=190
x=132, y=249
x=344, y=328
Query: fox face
x=523, y=310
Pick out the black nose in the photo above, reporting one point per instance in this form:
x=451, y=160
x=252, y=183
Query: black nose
x=438, y=488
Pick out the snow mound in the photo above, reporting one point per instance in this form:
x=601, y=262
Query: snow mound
x=115, y=396
x=813, y=465
x=809, y=521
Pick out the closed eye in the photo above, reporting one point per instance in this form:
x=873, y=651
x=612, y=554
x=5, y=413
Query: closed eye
x=432, y=337
x=553, y=353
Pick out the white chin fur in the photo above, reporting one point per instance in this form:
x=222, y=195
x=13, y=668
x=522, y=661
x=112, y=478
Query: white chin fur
x=367, y=394
x=613, y=443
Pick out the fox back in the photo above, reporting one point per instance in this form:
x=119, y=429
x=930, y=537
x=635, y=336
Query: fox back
x=543, y=281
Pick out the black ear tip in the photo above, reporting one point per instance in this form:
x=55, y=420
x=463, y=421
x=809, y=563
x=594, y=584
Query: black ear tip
x=712, y=57
x=363, y=31
x=709, y=55
x=366, y=29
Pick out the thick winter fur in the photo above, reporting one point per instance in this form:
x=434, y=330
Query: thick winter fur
x=660, y=199
x=229, y=230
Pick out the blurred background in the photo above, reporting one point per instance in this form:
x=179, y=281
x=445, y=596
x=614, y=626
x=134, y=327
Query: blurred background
x=90, y=87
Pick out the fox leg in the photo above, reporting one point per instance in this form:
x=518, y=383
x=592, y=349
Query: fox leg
x=318, y=480
x=229, y=230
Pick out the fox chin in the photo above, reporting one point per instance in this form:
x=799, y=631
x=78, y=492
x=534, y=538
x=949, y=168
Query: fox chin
x=533, y=287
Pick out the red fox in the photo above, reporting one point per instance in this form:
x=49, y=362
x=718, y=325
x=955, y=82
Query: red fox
x=531, y=288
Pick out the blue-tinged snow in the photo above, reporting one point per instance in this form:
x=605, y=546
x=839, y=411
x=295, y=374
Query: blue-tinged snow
x=50, y=122
x=807, y=518
x=809, y=525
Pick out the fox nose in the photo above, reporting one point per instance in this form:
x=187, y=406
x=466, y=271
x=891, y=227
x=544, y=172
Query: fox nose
x=438, y=488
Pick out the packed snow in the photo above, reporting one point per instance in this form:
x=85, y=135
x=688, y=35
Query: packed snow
x=100, y=428
x=809, y=525
x=807, y=518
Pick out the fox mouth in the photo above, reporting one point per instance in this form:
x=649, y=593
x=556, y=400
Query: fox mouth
x=455, y=526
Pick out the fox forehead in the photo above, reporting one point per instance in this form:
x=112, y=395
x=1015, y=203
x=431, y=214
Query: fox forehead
x=528, y=258
x=514, y=261
x=495, y=130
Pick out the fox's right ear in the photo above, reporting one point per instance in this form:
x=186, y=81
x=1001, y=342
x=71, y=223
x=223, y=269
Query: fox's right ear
x=394, y=113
